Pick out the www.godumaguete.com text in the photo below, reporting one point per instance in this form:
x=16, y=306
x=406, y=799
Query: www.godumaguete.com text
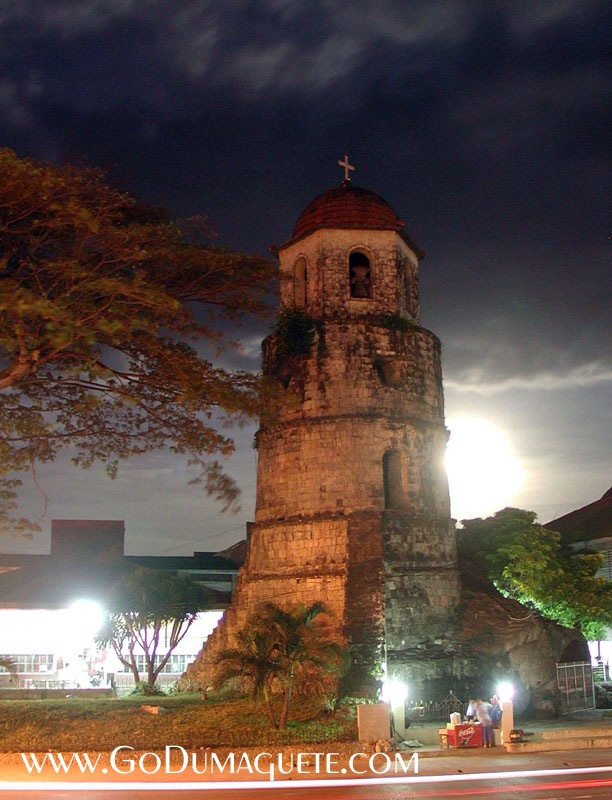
x=176, y=760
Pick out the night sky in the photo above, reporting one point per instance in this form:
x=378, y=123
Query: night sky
x=485, y=125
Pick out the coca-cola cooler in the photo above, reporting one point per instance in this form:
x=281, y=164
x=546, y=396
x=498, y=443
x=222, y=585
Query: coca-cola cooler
x=467, y=734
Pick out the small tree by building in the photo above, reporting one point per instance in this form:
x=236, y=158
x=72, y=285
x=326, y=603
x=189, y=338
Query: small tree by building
x=7, y=665
x=535, y=566
x=151, y=611
x=286, y=652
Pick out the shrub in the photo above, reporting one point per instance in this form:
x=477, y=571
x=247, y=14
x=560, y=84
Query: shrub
x=294, y=331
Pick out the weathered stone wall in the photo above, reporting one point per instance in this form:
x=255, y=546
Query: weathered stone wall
x=370, y=385
x=364, y=597
x=499, y=639
x=360, y=366
x=339, y=462
x=422, y=587
x=326, y=252
x=340, y=405
x=330, y=559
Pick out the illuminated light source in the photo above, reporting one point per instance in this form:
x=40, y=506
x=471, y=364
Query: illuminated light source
x=394, y=692
x=505, y=692
x=87, y=615
x=484, y=475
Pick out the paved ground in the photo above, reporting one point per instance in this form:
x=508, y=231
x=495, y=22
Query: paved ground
x=454, y=760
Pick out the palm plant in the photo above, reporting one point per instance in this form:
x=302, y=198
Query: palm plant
x=254, y=662
x=285, y=646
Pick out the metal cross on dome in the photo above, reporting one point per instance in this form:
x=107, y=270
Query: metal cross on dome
x=346, y=166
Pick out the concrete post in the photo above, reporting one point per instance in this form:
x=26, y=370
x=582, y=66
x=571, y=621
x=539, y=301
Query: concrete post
x=507, y=721
x=373, y=722
x=398, y=718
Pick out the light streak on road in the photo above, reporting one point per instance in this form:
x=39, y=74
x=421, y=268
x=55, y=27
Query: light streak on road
x=523, y=787
x=322, y=783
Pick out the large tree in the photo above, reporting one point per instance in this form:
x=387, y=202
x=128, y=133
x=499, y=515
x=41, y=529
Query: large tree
x=104, y=304
x=533, y=565
x=149, y=614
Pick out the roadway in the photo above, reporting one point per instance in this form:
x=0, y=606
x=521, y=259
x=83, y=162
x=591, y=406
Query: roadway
x=563, y=775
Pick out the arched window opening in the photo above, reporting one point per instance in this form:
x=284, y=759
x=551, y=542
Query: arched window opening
x=359, y=275
x=389, y=371
x=408, y=286
x=395, y=494
x=300, y=282
x=412, y=290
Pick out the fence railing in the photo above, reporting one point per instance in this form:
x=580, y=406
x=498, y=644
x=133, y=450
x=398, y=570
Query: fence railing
x=601, y=673
x=415, y=712
x=576, y=685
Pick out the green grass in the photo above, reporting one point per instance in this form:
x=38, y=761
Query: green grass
x=105, y=723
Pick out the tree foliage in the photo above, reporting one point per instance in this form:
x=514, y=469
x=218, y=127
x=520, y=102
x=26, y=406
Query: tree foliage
x=103, y=305
x=151, y=611
x=7, y=664
x=531, y=563
x=283, y=651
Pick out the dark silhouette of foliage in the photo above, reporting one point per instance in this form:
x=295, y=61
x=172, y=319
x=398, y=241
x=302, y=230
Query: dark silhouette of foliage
x=104, y=306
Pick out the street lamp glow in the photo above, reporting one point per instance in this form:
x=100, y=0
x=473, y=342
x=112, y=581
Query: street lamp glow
x=394, y=692
x=505, y=692
x=87, y=615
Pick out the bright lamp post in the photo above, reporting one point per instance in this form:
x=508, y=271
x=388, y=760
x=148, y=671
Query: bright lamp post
x=505, y=692
x=395, y=692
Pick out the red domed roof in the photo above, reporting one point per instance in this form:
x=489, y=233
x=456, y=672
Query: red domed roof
x=347, y=206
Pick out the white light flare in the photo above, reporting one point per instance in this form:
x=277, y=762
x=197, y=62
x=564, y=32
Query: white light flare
x=394, y=692
x=484, y=475
x=87, y=616
x=505, y=692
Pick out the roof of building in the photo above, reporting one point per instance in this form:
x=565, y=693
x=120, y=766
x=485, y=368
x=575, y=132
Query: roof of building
x=198, y=561
x=236, y=553
x=87, y=560
x=42, y=582
x=351, y=207
x=593, y=521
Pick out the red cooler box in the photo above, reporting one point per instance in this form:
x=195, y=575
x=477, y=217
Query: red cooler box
x=468, y=734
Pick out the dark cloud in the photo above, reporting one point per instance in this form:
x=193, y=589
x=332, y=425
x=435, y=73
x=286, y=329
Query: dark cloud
x=485, y=125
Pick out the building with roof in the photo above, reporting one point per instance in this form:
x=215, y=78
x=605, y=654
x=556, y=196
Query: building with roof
x=590, y=529
x=51, y=604
x=589, y=526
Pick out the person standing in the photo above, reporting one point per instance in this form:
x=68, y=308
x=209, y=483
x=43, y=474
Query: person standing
x=483, y=715
x=496, y=711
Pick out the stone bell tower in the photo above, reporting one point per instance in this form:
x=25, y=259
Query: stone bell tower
x=354, y=456
x=352, y=497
